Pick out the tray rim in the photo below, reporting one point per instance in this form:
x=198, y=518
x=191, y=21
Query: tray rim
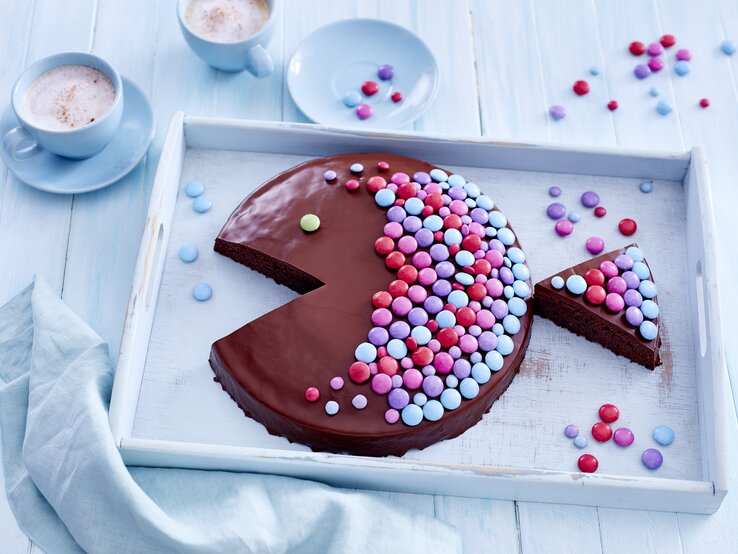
x=702, y=496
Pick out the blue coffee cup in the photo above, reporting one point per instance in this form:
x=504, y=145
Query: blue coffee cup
x=82, y=142
x=249, y=54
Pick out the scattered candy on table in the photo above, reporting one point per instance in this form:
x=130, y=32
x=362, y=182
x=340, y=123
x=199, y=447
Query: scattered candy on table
x=655, y=64
x=352, y=99
x=581, y=87
x=655, y=49
x=556, y=210
x=364, y=111
x=600, y=211
x=652, y=458
x=646, y=186
x=601, y=431
x=653, y=91
x=704, y=103
x=194, y=188
x=727, y=47
x=663, y=435
x=590, y=199
x=683, y=55
x=580, y=441
x=623, y=437
x=594, y=245
x=370, y=88
x=396, y=96
x=554, y=191
x=587, y=463
x=627, y=226
x=385, y=72
x=641, y=71
x=574, y=217
x=681, y=68
x=571, y=431
x=202, y=292
x=594, y=70
x=612, y=105
x=557, y=112
x=188, y=253
x=201, y=204
x=637, y=48
x=309, y=223
x=563, y=227
x=608, y=412
x=663, y=107
x=667, y=41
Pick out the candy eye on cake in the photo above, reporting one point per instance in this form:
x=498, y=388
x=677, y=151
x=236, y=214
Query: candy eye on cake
x=416, y=305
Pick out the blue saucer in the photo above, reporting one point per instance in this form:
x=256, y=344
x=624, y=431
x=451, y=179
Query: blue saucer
x=339, y=57
x=52, y=173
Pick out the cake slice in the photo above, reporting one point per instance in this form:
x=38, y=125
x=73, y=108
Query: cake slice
x=610, y=300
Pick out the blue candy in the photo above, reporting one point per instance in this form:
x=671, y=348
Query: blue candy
x=485, y=202
x=414, y=206
x=421, y=334
x=497, y=219
x=439, y=175
x=641, y=270
x=194, y=188
x=647, y=289
x=188, y=253
x=511, y=324
x=506, y=236
x=420, y=398
x=576, y=284
x=433, y=410
x=580, y=441
x=574, y=217
x=352, y=99
x=445, y=319
x=458, y=299
x=464, y=278
x=505, y=345
x=202, y=292
x=384, y=197
x=366, y=352
x=452, y=381
x=475, y=357
x=663, y=435
x=471, y=203
x=648, y=330
x=472, y=190
x=516, y=255
x=646, y=186
x=331, y=407
x=412, y=414
x=663, y=107
x=450, y=399
x=521, y=271
x=201, y=204
x=594, y=70
x=521, y=288
x=356, y=168
x=469, y=388
x=490, y=231
x=481, y=373
x=464, y=258
x=727, y=47
x=635, y=253
x=433, y=223
x=650, y=309
x=452, y=236
x=557, y=282
x=508, y=291
x=681, y=68
x=517, y=306
x=498, y=329
x=456, y=181
x=397, y=349
x=653, y=91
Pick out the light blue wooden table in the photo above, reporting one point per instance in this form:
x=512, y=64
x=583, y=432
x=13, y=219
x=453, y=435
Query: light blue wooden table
x=503, y=63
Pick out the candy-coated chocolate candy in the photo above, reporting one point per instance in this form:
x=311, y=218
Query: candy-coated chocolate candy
x=653, y=91
x=557, y=112
x=188, y=253
x=650, y=309
x=576, y=284
x=581, y=87
x=663, y=435
x=594, y=245
x=396, y=96
x=580, y=441
x=648, y=330
x=594, y=277
x=337, y=383
x=384, y=245
x=614, y=302
x=663, y=107
x=381, y=299
x=381, y=383
x=655, y=64
x=683, y=55
x=194, y=188
x=617, y=285
x=385, y=72
x=352, y=98
x=312, y=394
x=412, y=415
x=433, y=410
x=330, y=175
x=652, y=458
x=563, y=227
x=352, y=184
x=359, y=372
x=450, y=398
x=599, y=211
x=574, y=217
x=376, y=183
x=609, y=413
x=612, y=105
x=202, y=204
x=682, y=67
x=202, y=292
x=594, y=70
x=641, y=71
x=309, y=223
x=364, y=111
x=623, y=437
x=395, y=260
x=601, y=431
x=554, y=191
x=637, y=48
x=633, y=298
x=331, y=407
x=609, y=269
x=704, y=103
x=647, y=289
x=369, y=88
x=595, y=295
x=667, y=41
x=587, y=463
x=392, y=416
x=571, y=431
x=590, y=199
x=556, y=210
x=634, y=316
x=655, y=49
x=727, y=47
x=557, y=282
x=627, y=226
x=356, y=168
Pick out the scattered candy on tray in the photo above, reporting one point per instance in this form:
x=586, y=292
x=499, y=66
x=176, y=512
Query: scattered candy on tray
x=352, y=184
x=663, y=435
x=683, y=55
x=330, y=175
x=704, y=103
x=608, y=412
x=681, y=68
x=563, y=227
x=641, y=71
x=663, y=107
x=557, y=112
x=364, y=111
x=369, y=88
x=600, y=211
x=612, y=105
x=385, y=72
x=587, y=463
x=202, y=292
x=652, y=458
x=728, y=47
x=312, y=394
x=667, y=41
x=201, y=204
x=309, y=223
x=188, y=253
x=601, y=431
x=396, y=96
x=637, y=48
x=556, y=210
x=581, y=87
x=352, y=99
x=356, y=168
x=590, y=199
x=571, y=431
x=336, y=383
x=194, y=188
x=359, y=401
x=623, y=437
x=554, y=191
x=627, y=226
x=594, y=245
x=331, y=407
x=646, y=187
x=580, y=441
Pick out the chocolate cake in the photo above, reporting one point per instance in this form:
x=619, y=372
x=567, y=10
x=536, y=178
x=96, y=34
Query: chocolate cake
x=415, y=311
x=610, y=300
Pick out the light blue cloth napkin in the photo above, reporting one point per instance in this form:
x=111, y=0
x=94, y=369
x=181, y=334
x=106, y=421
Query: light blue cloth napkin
x=70, y=491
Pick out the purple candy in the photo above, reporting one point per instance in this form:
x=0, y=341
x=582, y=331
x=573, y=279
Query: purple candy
x=571, y=431
x=652, y=458
x=590, y=199
x=433, y=304
x=634, y=316
x=556, y=210
x=416, y=317
x=475, y=331
x=441, y=287
x=616, y=285
x=424, y=237
x=429, y=370
x=400, y=329
x=439, y=252
x=445, y=269
x=499, y=309
x=632, y=297
x=385, y=73
x=412, y=224
x=378, y=336
x=631, y=280
x=623, y=261
x=480, y=215
x=397, y=378
x=457, y=193
x=641, y=71
x=398, y=398
x=432, y=386
x=455, y=352
x=397, y=214
x=554, y=191
x=496, y=244
x=624, y=437
x=557, y=112
x=487, y=341
x=462, y=368
x=422, y=178
x=506, y=276
x=401, y=305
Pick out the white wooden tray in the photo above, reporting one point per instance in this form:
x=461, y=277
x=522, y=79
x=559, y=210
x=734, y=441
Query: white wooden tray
x=167, y=411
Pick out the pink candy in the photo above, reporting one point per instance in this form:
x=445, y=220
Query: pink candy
x=412, y=379
x=407, y=245
x=563, y=227
x=393, y=230
x=617, y=285
x=614, y=302
x=468, y=344
x=595, y=245
x=426, y=276
x=443, y=362
x=364, y=111
x=416, y=293
x=401, y=306
x=608, y=269
x=381, y=317
x=422, y=260
x=381, y=383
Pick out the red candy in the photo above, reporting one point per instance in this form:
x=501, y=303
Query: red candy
x=388, y=365
x=465, y=316
x=594, y=277
x=450, y=308
x=359, y=372
x=602, y=432
x=612, y=105
x=411, y=344
x=667, y=41
x=581, y=87
x=395, y=260
x=384, y=245
x=383, y=166
x=369, y=88
x=600, y=211
x=471, y=243
x=432, y=325
x=482, y=267
x=452, y=221
x=477, y=291
x=396, y=96
x=637, y=48
x=587, y=463
x=426, y=211
x=406, y=190
x=609, y=413
x=595, y=295
x=447, y=337
x=376, y=183
x=408, y=274
x=423, y=355
x=352, y=184
x=397, y=288
x=381, y=299
x=704, y=103
x=627, y=226
x=435, y=200
x=312, y=394
x=454, y=249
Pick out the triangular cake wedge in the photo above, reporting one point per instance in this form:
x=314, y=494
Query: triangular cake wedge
x=610, y=300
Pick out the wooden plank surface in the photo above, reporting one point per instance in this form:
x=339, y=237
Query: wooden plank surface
x=503, y=64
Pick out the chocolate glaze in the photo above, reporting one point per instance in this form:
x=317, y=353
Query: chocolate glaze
x=596, y=323
x=267, y=364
